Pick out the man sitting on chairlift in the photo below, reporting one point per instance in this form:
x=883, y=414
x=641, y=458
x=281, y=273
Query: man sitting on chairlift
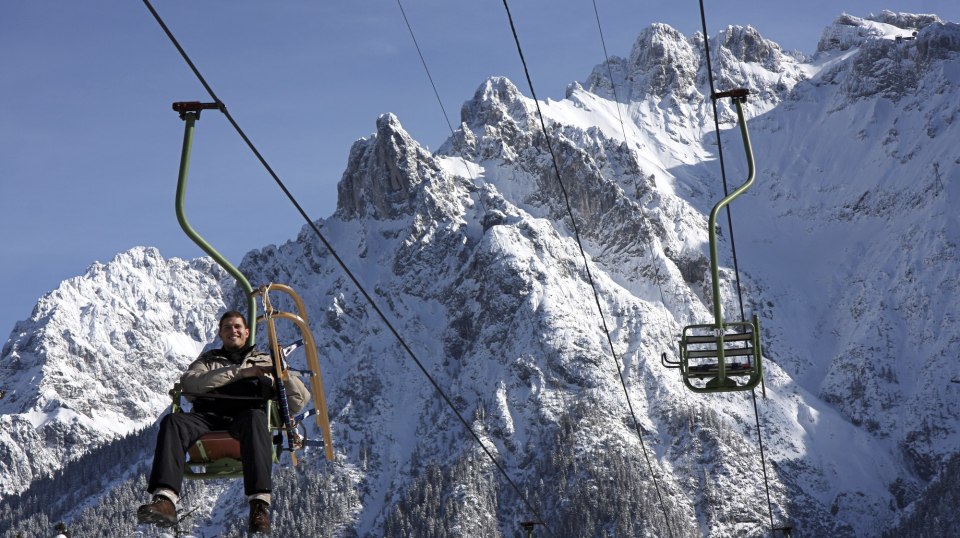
x=233, y=370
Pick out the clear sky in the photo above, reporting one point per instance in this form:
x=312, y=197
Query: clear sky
x=89, y=146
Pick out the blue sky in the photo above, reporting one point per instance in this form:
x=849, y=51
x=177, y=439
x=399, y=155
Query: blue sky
x=89, y=147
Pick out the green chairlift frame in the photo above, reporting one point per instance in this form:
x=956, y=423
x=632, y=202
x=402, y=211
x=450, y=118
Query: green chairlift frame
x=706, y=350
x=190, y=113
x=227, y=464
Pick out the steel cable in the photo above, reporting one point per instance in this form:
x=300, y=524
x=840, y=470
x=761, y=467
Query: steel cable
x=576, y=233
x=733, y=248
x=336, y=256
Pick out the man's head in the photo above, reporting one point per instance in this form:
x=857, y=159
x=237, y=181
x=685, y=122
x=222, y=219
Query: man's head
x=233, y=330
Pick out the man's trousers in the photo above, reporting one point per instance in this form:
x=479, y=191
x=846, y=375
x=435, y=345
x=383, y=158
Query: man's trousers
x=179, y=431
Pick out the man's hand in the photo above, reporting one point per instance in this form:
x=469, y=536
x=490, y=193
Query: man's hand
x=256, y=371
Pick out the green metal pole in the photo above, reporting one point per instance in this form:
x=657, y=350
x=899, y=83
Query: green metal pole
x=751, y=174
x=190, y=118
x=714, y=261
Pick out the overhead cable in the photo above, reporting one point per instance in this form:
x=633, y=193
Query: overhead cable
x=539, y=518
x=733, y=247
x=583, y=254
x=333, y=252
x=623, y=129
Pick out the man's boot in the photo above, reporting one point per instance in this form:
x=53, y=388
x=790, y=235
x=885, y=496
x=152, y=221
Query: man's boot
x=160, y=511
x=259, y=516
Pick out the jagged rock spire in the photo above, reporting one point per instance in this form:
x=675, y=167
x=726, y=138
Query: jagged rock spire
x=383, y=173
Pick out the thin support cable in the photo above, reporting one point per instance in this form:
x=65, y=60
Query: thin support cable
x=616, y=98
x=763, y=458
x=623, y=129
x=596, y=295
x=716, y=123
x=340, y=261
x=463, y=158
x=424, y=62
x=443, y=109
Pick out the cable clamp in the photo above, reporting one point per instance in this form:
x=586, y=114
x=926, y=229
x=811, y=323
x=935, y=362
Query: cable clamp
x=738, y=94
x=186, y=107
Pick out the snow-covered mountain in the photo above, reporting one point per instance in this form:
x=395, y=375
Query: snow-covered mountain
x=97, y=356
x=847, y=250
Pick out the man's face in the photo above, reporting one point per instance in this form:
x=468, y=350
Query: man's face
x=234, y=333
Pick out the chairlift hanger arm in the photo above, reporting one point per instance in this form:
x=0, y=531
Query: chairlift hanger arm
x=190, y=112
x=739, y=96
x=708, y=352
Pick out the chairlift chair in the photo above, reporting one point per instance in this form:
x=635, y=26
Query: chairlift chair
x=216, y=454
x=722, y=356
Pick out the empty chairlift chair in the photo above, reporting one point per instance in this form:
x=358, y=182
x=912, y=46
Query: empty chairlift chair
x=722, y=356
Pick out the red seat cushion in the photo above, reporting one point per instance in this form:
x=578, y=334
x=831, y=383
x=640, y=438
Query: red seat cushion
x=216, y=445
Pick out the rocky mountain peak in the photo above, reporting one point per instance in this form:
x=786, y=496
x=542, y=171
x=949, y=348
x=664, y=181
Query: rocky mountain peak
x=496, y=121
x=848, y=31
x=894, y=55
x=662, y=60
x=666, y=59
x=497, y=101
x=383, y=172
x=97, y=356
x=745, y=44
x=770, y=72
x=668, y=67
x=905, y=20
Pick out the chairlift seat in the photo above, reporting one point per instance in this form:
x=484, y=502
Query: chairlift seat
x=704, y=354
x=216, y=454
x=214, y=446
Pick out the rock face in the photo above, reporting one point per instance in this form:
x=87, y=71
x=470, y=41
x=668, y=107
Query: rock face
x=381, y=179
x=542, y=345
